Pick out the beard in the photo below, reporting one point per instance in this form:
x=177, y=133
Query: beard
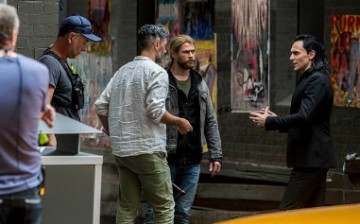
x=158, y=57
x=190, y=64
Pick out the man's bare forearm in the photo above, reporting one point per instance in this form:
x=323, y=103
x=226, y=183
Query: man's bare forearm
x=105, y=122
x=168, y=118
x=182, y=124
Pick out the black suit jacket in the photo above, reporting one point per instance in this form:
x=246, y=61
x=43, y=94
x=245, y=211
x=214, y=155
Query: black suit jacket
x=308, y=125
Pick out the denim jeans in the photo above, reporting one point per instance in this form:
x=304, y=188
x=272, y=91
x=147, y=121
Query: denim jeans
x=21, y=208
x=186, y=177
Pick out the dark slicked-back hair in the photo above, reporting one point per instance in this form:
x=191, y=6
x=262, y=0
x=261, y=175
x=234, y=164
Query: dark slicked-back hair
x=310, y=43
x=149, y=33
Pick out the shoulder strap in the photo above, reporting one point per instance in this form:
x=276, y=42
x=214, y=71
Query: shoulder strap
x=21, y=85
x=62, y=63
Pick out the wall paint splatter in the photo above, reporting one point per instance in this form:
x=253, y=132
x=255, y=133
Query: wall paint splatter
x=345, y=60
x=250, y=55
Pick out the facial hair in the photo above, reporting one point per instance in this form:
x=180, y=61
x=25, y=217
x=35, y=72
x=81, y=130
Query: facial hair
x=158, y=57
x=190, y=64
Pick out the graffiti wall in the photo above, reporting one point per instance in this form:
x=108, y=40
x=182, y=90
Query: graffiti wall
x=168, y=14
x=345, y=60
x=250, y=55
x=194, y=18
x=198, y=19
x=99, y=16
x=95, y=66
x=206, y=60
x=95, y=71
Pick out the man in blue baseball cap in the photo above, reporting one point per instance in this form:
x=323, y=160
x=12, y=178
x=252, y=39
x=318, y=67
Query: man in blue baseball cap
x=65, y=88
x=78, y=24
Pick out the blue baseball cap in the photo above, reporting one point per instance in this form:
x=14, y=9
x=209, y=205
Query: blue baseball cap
x=78, y=24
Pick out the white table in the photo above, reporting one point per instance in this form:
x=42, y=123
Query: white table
x=73, y=189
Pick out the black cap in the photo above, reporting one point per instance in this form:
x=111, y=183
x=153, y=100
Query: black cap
x=78, y=24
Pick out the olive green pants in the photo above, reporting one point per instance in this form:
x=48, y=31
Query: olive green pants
x=148, y=174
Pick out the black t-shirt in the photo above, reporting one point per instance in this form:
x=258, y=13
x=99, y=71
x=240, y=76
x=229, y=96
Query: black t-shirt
x=60, y=80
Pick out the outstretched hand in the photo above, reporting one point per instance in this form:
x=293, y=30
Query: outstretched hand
x=259, y=117
x=267, y=111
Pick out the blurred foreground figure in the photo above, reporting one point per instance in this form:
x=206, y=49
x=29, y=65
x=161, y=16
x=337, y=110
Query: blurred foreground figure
x=23, y=95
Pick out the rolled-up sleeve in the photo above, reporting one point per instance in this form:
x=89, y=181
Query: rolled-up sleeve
x=102, y=103
x=156, y=95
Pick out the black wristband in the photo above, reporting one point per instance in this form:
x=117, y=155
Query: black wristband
x=106, y=132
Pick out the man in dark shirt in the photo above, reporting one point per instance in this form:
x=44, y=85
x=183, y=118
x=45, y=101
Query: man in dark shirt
x=189, y=98
x=74, y=34
x=310, y=151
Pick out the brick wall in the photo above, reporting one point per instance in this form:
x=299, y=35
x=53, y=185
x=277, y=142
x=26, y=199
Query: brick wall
x=123, y=30
x=123, y=27
x=38, y=25
x=241, y=140
x=345, y=121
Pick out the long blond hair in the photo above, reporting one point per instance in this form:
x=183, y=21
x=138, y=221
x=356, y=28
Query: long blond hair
x=175, y=45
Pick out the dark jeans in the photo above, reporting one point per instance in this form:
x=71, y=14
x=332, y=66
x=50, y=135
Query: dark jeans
x=306, y=188
x=21, y=208
x=186, y=177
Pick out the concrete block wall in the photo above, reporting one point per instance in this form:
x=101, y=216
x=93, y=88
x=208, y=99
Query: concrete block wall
x=123, y=27
x=345, y=121
x=241, y=140
x=39, y=22
x=123, y=30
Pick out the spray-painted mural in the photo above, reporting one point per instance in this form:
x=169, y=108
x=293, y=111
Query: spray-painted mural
x=250, y=56
x=96, y=72
x=345, y=60
x=167, y=12
x=194, y=18
x=95, y=66
x=99, y=16
x=198, y=20
x=206, y=60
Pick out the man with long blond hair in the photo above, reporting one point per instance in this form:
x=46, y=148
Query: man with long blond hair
x=189, y=98
x=132, y=111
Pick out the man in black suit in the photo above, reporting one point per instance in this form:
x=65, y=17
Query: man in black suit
x=310, y=151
